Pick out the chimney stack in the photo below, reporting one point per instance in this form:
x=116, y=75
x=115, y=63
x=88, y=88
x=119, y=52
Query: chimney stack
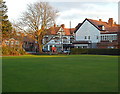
x=54, y=25
x=110, y=21
x=100, y=19
x=115, y=23
x=63, y=25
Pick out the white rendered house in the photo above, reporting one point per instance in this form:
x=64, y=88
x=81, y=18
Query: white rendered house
x=93, y=34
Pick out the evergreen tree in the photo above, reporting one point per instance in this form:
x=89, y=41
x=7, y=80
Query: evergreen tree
x=6, y=26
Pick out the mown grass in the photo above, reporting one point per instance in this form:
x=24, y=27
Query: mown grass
x=73, y=73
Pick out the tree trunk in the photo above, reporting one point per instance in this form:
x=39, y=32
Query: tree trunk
x=40, y=45
x=40, y=48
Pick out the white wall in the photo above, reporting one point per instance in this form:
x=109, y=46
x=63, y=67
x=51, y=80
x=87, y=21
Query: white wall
x=87, y=29
x=59, y=40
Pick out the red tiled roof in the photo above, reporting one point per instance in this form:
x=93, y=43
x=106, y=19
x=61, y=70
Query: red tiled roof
x=28, y=38
x=69, y=31
x=54, y=30
x=72, y=30
x=113, y=28
x=97, y=24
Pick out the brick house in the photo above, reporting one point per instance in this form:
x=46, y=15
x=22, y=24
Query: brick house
x=29, y=44
x=12, y=42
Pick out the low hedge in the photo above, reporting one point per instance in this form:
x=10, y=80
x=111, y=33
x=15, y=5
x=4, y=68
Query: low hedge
x=95, y=51
x=12, y=51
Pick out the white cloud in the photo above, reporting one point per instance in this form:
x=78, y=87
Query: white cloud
x=119, y=12
x=88, y=10
x=16, y=7
x=82, y=0
x=72, y=10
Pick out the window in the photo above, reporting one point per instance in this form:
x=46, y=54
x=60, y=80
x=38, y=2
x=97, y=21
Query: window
x=97, y=37
x=12, y=42
x=114, y=37
x=7, y=42
x=84, y=46
x=103, y=27
x=59, y=33
x=108, y=37
x=88, y=37
x=105, y=37
x=85, y=37
x=101, y=37
x=17, y=42
x=111, y=37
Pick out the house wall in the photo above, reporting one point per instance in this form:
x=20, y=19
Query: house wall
x=11, y=43
x=108, y=44
x=89, y=31
x=81, y=45
x=56, y=41
x=108, y=41
x=109, y=37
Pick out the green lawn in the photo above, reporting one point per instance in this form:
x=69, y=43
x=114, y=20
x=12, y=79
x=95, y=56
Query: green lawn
x=73, y=73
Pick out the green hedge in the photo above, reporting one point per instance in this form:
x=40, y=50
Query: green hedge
x=95, y=51
x=12, y=51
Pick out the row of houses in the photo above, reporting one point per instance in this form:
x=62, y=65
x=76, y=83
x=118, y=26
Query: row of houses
x=21, y=40
x=88, y=34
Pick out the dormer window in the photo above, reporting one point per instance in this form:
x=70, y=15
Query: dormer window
x=58, y=33
x=102, y=27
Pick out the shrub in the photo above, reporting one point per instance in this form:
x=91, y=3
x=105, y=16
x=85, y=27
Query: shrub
x=22, y=52
x=12, y=51
x=95, y=51
x=5, y=51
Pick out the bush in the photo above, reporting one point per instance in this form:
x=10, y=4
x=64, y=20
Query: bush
x=12, y=51
x=95, y=51
x=5, y=51
x=22, y=52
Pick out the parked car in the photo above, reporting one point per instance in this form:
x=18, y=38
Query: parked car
x=66, y=51
x=45, y=50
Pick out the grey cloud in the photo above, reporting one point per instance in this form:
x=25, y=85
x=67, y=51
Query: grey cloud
x=62, y=6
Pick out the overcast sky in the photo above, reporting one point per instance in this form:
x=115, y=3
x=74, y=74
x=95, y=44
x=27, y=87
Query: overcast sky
x=70, y=10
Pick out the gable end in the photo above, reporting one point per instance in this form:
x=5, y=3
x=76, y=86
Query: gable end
x=83, y=23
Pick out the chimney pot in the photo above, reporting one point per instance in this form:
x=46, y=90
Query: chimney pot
x=110, y=21
x=100, y=19
x=63, y=25
x=54, y=25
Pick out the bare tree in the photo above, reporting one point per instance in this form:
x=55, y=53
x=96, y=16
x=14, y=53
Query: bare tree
x=37, y=18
